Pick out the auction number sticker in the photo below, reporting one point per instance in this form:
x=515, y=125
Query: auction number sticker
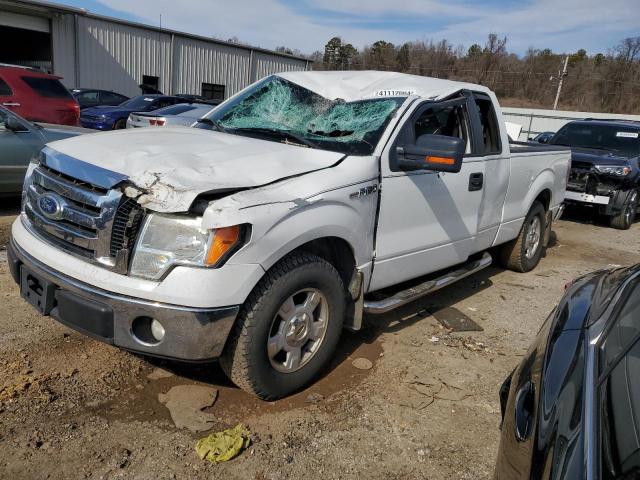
x=394, y=93
x=627, y=134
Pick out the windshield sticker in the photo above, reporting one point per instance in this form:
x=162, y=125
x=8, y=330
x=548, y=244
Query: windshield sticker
x=627, y=134
x=394, y=93
x=148, y=99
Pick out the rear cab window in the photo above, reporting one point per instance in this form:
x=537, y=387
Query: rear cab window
x=47, y=87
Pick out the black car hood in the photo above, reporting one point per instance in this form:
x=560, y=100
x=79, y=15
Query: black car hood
x=594, y=156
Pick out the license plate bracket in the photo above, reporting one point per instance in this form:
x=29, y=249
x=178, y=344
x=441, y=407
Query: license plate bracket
x=37, y=291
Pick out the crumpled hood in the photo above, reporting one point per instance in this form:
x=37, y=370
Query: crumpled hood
x=170, y=167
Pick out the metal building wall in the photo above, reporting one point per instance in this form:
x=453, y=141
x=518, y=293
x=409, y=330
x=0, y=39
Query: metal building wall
x=92, y=52
x=63, y=45
x=196, y=61
x=265, y=64
x=115, y=56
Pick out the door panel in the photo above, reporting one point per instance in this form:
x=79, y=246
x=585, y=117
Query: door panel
x=497, y=165
x=427, y=220
x=16, y=151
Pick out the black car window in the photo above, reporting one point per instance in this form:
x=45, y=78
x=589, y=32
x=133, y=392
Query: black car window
x=450, y=120
x=176, y=109
x=619, y=391
x=47, y=87
x=622, y=138
x=624, y=330
x=163, y=102
x=141, y=102
x=5, y=89
x=112, y=98
x=620, y=418
x=88, y=97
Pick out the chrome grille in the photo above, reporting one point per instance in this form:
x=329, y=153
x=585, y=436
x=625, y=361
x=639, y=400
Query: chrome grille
x=82, y=218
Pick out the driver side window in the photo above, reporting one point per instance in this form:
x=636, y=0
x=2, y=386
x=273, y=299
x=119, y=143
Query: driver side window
x=449, y=120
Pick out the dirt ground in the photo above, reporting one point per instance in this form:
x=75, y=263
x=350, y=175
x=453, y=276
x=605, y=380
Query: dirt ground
x=71, y=407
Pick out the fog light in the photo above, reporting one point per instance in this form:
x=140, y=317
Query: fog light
x=157, y=330
x=147, y=331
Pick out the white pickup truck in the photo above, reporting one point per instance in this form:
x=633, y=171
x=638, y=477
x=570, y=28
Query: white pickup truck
x=257, y=235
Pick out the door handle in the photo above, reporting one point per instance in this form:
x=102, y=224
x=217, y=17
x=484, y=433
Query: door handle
x=11, y=104
x=524, y=411
x=475, y=181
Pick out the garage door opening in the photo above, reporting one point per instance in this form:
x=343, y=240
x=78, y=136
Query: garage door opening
x=29, y=48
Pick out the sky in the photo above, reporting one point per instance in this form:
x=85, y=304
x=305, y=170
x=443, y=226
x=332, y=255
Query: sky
x=562, y=25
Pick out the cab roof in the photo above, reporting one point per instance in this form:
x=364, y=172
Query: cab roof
x=358, y=85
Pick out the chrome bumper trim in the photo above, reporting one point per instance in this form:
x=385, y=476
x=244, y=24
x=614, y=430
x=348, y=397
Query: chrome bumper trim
x=192, y=334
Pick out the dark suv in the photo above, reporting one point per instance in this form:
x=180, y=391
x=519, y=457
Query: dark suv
x=604, y=167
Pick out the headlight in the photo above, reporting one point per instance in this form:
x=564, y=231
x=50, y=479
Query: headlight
x=168, y=240
x=612, y=170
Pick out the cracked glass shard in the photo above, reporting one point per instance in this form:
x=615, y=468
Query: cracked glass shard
x=278, y=105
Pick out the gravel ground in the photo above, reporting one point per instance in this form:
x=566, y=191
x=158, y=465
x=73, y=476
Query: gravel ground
x=71, y=407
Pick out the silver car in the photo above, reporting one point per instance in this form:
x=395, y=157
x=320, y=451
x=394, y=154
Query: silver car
x=21, y=140
x=180, y=115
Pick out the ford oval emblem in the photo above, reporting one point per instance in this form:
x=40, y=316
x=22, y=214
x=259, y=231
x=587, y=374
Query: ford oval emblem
x=51, y=206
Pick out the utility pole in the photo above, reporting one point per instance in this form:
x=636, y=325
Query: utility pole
x=561, y=78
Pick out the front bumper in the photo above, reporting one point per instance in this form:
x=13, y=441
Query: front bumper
x=96, y=124
x=191, y=334
x=586, y=198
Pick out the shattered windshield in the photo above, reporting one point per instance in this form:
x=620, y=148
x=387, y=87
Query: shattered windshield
x=278, y=110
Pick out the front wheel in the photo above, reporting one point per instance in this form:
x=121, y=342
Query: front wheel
x=523, y=254
x=288, y=328
x=120, y=124
x=624, y=219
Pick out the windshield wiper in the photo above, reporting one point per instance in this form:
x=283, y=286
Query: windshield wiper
x=284, y=134
x=214, y=123
x=332, y=133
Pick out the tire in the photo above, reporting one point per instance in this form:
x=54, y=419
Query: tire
x=523, y=254
x=624, y=219
x=120, y=124
x=258, y=369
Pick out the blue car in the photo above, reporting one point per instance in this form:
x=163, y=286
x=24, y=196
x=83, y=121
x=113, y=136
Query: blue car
x=115, y=117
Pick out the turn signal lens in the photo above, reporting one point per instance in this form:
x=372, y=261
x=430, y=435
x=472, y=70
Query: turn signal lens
x=440, y=160
x=224, y=239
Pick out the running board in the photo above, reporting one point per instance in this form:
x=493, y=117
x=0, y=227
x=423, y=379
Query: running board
x=409, y=295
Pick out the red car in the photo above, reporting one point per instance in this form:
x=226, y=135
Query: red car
x=37, y=96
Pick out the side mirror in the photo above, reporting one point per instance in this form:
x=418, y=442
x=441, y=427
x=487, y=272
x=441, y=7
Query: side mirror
x=15, y=125
x=439, y=153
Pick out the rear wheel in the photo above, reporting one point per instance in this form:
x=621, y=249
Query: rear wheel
x=523, y=254
x=120, y=124
x=288, y=328
x=624, y=219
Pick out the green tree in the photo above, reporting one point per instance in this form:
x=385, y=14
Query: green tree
x=475, y=50
x=331, y=56
x=346, y=54
x=403, y=57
